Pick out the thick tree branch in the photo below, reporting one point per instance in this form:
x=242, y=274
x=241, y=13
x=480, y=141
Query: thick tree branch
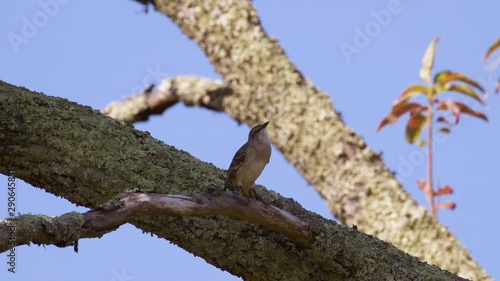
x=81, y=155
x=68, y=228
x=357, y=186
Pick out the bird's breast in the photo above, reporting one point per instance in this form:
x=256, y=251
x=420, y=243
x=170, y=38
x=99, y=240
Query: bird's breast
x=255, y=162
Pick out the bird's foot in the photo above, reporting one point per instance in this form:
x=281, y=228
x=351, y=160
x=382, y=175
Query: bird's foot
x=253, y=194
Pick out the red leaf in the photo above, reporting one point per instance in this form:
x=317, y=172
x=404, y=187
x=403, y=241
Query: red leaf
x=447, y=205
x=422, y=184
x=456, y=108
x=445, y=120
x=452, y=106
x=445, y=190
x=397, y=111
x=467, y=110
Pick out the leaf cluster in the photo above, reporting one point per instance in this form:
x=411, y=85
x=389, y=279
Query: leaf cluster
x=445, y=81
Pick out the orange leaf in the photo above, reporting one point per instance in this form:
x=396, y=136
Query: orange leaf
x=495, y=46
x=445, y=77
x=397, y=111
x=415, y=125
x=447, y=205
x=428, y=61
x=445, y=190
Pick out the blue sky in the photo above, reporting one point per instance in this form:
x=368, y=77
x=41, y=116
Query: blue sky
x=95, y=52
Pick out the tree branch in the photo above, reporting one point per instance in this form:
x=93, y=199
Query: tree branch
x=67, y=229
x=358, y=188
x=191, y=90
x=61, y=231
x=77, y=153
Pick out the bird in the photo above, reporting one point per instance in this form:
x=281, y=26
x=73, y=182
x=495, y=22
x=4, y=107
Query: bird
x=249, y=162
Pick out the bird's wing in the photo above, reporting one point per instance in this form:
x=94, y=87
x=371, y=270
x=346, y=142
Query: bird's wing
x=238, y=160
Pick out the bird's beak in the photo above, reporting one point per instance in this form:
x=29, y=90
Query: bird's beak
x=260, y=127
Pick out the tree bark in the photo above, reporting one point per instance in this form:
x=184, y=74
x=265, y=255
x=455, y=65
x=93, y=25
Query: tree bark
x=77, y=153
x=358, y=188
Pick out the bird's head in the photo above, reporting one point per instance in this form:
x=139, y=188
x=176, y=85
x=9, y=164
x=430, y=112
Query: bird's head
x=258, y=133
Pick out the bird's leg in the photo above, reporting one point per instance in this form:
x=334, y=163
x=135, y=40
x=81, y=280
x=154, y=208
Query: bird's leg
x=253, y=194
x=247, y=192
x=241, y=191
x=229, y=187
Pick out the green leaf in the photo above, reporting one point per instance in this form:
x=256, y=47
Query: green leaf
x=466, y=90
x=397, y=111
x=415, y=126
x=444, y=130
x=494, y=47
x=443, y=78
x=412, y=91
x=428, y=61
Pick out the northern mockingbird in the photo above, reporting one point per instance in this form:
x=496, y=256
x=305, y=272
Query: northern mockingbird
x=249, y=161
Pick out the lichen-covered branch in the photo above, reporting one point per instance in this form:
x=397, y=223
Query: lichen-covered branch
x=358, y=188
x=61, y=231
x=79, y=154
x=191, y=90
x=67, y=229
